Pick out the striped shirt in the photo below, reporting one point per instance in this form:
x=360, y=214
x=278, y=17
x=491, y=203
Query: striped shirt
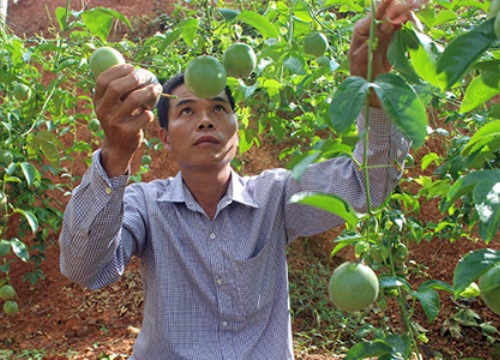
x=214, y=289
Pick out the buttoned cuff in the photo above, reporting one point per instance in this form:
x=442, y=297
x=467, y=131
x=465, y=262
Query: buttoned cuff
x=103, y=186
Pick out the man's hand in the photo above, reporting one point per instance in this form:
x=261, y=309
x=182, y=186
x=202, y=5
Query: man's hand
x=119, y=100
x=390, y=14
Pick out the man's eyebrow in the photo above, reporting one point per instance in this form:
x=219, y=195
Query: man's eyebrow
x=219, y=99
x=183, y=101
x=189, y=100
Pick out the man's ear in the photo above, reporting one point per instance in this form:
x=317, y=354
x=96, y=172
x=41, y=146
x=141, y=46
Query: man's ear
x=165, y=139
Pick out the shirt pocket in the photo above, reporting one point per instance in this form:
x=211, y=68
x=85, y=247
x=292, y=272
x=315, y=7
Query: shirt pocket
x=256, y=281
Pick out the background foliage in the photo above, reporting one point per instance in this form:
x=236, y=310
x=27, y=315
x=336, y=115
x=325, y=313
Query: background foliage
x=443, y=87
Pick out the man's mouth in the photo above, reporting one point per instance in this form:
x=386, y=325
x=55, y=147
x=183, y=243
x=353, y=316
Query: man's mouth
x=206, y=139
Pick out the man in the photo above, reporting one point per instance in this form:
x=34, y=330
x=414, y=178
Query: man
x=212, y=243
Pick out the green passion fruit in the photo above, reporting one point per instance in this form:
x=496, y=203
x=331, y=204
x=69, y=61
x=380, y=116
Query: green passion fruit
x=315, y=43
x=103, y=58
x=10, y=307
x=21, y=92
x=353, y=286
x=205, y=76
x=489, y=286
x=239, y=60
x=6, y=157
x=146, y=160
x=7, y=292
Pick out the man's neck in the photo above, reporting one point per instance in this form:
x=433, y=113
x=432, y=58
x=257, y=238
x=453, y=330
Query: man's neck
x=207, y=186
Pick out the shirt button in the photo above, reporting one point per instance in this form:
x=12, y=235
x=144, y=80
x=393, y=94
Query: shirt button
x=219, y=281
x=108, y=190
x=224, y=323
x=212, y=236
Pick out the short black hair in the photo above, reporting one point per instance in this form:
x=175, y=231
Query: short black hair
x=168, y=87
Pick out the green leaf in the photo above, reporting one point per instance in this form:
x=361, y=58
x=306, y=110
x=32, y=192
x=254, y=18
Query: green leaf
x=394, y=281
x=48, y=143
x=259, y=22
x=400, y=344
x=471, y=291
x=229, y=14
x=367, y=349
x=5, y=267
x=396, y=53
x=170, y=37
x=345, y=240
x=466, y=185
x=31, y=174
x=480, y=90
x=20, y=249
x=436, y=285
x=303, y=163
x=246, y=90
x=429, y=299
x=488, y=65
x=472, y=266
x=444, y=17
x=347, y=103
x=99, y=21
x=61, y=17
x=486, y=137
x=401, y=103
x=295, y=63
x=30, y=217
x=4, y=248
x=245, y=141
x=189, y=35
x=464, y=51
x=486, y=196
x=428, y=159
x=424, y=54
x=331, y=203
x=351, y=5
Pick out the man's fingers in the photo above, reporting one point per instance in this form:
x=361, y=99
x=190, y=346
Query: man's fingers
x=114, y=72
x=382, y=7
x=140, y=99
x=398, y=11
x=125, y=94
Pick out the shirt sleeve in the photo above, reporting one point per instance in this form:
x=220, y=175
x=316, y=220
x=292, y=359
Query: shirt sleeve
x=341, y=176
x=95, y=246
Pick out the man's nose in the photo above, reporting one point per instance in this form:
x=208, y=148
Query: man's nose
x=206, y=123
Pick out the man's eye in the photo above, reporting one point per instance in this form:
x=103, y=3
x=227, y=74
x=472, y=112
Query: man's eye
x=220, y=108
x=186, y=111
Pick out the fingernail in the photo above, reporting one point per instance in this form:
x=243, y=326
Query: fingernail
x=157, y=90
x=139, y=76
x=386, y=26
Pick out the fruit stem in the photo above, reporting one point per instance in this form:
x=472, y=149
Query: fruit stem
x=405, y=316
x=208, y=14
x=290, y=25
x=170, y=96
x=371, y=42
x=65, y=30
x=6, y=206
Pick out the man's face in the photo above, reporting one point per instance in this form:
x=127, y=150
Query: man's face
x=202, y=133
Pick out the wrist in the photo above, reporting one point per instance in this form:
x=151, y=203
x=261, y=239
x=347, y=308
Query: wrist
x=115, y=164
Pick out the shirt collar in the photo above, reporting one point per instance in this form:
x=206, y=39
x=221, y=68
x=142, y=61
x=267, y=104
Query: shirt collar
x=236, y=191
